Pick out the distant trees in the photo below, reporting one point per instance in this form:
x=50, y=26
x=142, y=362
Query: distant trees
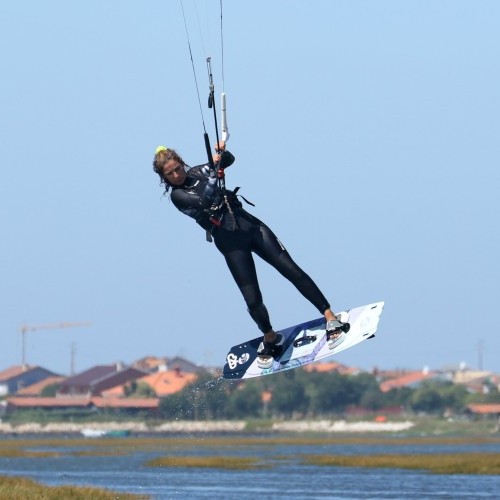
x=300, y=393
x=289, y=395
x=136, y=389
x=49, y=391
x=434, y=397
x=244, y=402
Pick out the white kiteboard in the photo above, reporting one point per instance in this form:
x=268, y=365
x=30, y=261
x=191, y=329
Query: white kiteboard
x=303, y=344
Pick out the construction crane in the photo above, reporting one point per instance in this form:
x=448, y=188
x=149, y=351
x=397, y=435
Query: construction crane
x=23, y=329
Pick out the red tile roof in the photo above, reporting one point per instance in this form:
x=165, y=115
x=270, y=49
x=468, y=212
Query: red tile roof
x=405, y=380
x=146, y=403
x=13, y=371
x=36, y=389
x=331, y=366
x=163, y=383
x=169, y=382
x=484, y=409
x=323, y=367
x=117, y=391
x=26, y=402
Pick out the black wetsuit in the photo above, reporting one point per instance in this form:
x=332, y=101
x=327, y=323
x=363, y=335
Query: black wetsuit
x=237, y=235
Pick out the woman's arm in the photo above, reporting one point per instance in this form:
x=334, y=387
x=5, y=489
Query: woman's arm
x=222, y=157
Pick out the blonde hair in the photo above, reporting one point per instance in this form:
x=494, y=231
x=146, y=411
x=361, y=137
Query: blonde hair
x=162, y=156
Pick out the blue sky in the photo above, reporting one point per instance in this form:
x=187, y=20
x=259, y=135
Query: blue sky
x=366, y=133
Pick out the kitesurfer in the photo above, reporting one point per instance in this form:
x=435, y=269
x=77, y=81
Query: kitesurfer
x=237, y=234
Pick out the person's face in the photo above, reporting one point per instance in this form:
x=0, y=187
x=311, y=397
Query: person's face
x=174, y=172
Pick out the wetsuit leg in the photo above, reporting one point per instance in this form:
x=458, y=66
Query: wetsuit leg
x=242, y=267
x=267, y=246
x=235, y=248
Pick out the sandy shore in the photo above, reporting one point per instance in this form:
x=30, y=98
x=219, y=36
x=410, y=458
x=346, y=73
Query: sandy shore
x=194, y=427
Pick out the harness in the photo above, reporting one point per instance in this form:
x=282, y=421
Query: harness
x=227, y=207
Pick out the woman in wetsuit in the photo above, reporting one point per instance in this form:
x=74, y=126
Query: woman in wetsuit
x=237, y=234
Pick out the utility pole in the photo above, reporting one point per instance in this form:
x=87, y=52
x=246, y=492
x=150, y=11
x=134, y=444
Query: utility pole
x=23, y=329
x=73, y=355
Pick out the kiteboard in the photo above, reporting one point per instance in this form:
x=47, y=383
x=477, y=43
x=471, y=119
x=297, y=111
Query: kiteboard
x=303, y=344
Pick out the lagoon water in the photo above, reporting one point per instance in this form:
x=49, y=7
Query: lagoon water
x=285, y=476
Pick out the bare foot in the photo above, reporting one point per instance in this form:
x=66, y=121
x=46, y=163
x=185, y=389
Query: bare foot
x=329, y=315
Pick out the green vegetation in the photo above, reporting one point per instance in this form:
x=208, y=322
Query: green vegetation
x=50, y=391
x=233, y=463
x=120, y=446
x=460, y=463
x=312, y=394
x=18, y=488
x=18, y=453
x=139, y=390
x=178, y=450
x=293, y=394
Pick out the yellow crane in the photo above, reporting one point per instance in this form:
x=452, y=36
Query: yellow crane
x=23, y=329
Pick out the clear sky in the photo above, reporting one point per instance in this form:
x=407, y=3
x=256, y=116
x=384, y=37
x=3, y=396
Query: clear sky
x=366, y=132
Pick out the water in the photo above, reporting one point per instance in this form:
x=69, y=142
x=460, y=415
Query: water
x=285, y=476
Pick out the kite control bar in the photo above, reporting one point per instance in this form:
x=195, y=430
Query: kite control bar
x=225, y=131
x=211, y=100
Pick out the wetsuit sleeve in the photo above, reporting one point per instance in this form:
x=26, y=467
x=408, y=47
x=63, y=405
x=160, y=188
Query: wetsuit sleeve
x=227, y=159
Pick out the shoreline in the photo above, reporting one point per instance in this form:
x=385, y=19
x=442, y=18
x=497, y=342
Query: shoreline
x=325, y=426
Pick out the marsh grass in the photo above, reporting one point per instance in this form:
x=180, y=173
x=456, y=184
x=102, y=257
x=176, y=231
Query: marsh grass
x=18, y=488
x=459, y=463
x=189, y=442
x=20, y=453
x=233, y=463
x=54, y=447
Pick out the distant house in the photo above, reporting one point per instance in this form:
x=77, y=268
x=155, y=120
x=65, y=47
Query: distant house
x=96, y=380
x=412, y=379
x=16, y=378
x=168, y=382
x=17, y=403
x=128, y=405
x=491, y=409
x=152, y=364
x=479, y=382
x=468, y=376
x=332, y=366
x=488, y=411
x=81, y=384
x=183, y=365
x=35, y=390
x=382, y=375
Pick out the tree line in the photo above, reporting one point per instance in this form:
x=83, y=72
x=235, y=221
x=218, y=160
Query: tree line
x=311, y=394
